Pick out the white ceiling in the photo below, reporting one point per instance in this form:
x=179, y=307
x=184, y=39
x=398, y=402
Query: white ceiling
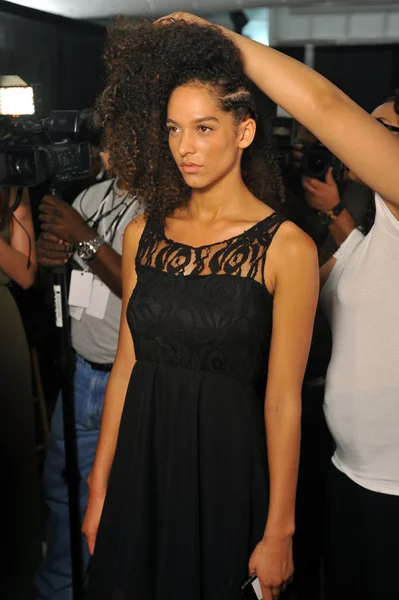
x=101, y=9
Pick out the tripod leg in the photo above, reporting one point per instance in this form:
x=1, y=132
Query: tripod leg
x=72, y=473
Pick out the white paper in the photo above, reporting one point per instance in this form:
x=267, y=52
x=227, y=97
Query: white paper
x=99, y=299
x=76, y=312
x=80, y=289
x=257, y=589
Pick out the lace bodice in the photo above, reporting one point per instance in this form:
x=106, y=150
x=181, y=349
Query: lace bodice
x=204, y=308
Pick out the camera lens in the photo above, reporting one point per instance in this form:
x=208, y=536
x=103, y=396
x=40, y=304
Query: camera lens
x=316, y=161
x=25, y=165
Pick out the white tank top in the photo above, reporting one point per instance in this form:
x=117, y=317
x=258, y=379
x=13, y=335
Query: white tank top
x=361, y=299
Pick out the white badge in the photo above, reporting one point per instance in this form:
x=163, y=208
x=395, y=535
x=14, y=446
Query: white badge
x=76, y=312
x=80, y=289
x=99, y=299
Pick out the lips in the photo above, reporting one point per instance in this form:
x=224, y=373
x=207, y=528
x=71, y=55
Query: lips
x=189, y=167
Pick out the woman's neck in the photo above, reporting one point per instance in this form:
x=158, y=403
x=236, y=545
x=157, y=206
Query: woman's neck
x=224, y=198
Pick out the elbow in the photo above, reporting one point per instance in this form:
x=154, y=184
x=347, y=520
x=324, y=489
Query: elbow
x=326, y=101
x=283, y=406
x=29, y=278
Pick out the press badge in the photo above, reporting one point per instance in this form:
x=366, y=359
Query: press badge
x=76, y=312
x=80, y=289
x=99, y=299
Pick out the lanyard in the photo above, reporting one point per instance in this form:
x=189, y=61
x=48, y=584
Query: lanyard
x=106, y=208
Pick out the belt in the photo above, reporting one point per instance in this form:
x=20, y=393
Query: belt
x=99, y=366
x=105, y=367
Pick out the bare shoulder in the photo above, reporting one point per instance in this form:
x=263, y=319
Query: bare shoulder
x=292, y=245
x=134, y=231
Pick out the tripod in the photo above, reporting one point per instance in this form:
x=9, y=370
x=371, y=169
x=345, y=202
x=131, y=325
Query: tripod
x=71, y=472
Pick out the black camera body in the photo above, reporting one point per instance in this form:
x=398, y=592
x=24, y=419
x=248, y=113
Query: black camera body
x=52, y=150
x=317, y=160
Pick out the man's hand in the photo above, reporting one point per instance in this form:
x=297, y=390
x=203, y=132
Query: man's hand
x=319, y=195
x=63, y=221
x=51, y=251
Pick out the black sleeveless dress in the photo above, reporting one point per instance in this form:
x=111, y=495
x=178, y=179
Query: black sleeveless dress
x=187, y=497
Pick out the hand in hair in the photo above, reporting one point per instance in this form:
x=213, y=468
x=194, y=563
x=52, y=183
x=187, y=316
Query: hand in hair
x=145, y=65
x=181, y=16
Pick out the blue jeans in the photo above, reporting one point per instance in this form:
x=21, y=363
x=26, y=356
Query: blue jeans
x=54, y=578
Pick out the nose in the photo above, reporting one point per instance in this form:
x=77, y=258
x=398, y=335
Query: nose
x=186, y=143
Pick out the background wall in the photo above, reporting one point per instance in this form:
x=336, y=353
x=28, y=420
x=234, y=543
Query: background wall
x=335, y=25
x=62, y=55
x=356, y=49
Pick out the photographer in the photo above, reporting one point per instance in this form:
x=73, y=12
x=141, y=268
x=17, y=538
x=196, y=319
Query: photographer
x=94, y=225
x=20, y=539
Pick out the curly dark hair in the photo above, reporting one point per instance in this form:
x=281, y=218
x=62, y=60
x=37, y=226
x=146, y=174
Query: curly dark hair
x=145, y=63
x=395, y=99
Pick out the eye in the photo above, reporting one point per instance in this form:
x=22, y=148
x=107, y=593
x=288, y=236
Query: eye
x=172, y=129
x=204, y=128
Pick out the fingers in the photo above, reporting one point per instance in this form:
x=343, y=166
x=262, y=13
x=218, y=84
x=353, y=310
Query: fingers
x=52, y=254
x=45, y=209
x=50, y=237
x=52, y=248
x=49, y=200
x=330, y=177
x=266, y=593
x=51, y=262
x=308, y=185
x=275, y=592
x=47, y=217
x=297, y=152
x=252, y=566
x=91, y=541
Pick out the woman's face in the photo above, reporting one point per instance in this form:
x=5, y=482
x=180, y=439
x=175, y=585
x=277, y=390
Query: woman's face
x=386, y=115
x=204, y=140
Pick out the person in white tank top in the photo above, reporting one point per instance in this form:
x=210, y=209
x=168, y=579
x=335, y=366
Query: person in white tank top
x=361, y=299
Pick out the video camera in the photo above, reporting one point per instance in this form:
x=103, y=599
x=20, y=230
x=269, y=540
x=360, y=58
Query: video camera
x=51, y=150
x=316, y=159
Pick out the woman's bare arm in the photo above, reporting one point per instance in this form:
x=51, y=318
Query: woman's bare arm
x=360, y=141
x=293, y=260
x=18, y=258
x=294, y=306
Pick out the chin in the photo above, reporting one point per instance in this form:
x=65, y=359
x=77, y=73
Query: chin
x=194, y=182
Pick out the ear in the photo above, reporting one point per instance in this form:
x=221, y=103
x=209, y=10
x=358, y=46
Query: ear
x=246, y=133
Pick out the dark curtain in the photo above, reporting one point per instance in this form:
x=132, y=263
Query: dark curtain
x=62, y=56
x=297, y=52
x=368, y=74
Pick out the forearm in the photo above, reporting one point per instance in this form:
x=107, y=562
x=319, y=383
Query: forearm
x=283, y=427
x=111, y=418
x=15, y=265
x=342, y=227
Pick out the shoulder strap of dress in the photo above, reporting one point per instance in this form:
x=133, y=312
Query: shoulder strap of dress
x=149, y=240
x=268, y=228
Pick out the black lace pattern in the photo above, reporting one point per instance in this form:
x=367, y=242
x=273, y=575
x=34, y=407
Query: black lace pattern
x=243, y=255
x=204, y=308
